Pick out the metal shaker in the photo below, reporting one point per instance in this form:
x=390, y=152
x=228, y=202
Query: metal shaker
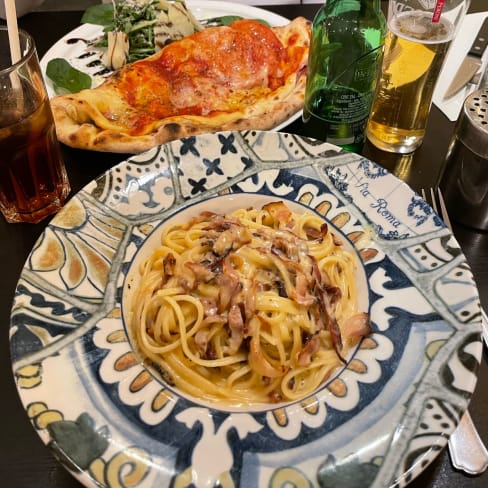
x=464, y=181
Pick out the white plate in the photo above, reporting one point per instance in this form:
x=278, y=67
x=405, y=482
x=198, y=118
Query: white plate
x=383, y=419
x=73, y=46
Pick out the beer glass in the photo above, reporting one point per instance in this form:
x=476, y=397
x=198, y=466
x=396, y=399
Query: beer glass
x=33, y=180
x=418, y=38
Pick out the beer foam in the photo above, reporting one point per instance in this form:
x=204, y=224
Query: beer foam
x=418, y=27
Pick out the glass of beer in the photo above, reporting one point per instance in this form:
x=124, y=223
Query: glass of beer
x=418, y=38
x=33, y=180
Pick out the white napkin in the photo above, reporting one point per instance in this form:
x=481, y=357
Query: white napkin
x=457, y=52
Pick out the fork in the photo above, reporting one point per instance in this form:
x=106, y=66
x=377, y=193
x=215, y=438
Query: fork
x=467, y=451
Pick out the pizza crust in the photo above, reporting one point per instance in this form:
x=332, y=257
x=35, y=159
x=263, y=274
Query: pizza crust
x=76, y=115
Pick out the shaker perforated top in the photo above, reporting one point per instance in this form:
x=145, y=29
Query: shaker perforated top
x=473, y=127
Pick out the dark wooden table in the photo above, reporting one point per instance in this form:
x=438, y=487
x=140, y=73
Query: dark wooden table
x=24, y=461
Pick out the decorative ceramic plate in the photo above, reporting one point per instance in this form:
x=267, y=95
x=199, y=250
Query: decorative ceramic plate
x=111, y=422
x=73, y=46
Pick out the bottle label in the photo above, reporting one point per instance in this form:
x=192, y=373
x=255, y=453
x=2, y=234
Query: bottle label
x=349, y=106
x=338, y=115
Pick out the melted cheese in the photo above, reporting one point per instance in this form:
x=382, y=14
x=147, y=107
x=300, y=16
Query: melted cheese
x=220, y=69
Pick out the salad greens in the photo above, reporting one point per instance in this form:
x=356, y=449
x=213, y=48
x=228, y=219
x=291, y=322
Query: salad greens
x=223, y=20
x=138, y=19
x=65, y=78
x=99, y=14
x=135, y=20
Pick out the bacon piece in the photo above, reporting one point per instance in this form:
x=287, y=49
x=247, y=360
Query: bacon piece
x=169, y=262
x=201, y=341
x=227, y=288
x=202, y=217
x=291, y=265
x=319, y=275
x=236, y=325
x=316, y=273
x=302, y=295
x=278, y=211
x=311, y=347
x=333, y=326
x=356, y=326
x=232, y=238
x=325, y=307
x=287, y=247
x=334, y=293
x=212, y=262
x=336, y=240
x=215, y=226
x=202, y=273
x=223, y=245
x=313, y=233
x=301, y=292
x=229, y=284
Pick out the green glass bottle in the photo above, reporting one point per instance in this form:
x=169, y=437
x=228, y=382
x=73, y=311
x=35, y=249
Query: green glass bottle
x=344, y=64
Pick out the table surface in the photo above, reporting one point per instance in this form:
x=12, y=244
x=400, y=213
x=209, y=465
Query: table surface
x=25, y=461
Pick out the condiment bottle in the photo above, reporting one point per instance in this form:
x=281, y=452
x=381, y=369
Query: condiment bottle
x=464, y=180
x=344, y=64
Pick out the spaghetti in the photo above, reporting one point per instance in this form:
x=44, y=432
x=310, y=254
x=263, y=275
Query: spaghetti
x=256, y=306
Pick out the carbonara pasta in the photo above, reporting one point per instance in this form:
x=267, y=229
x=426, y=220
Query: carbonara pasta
x=256, y=306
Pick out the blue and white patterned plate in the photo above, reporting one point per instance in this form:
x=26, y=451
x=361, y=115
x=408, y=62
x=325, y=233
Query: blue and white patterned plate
x=382, y=419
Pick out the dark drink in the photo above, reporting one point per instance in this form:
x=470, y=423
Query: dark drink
x=33, y=181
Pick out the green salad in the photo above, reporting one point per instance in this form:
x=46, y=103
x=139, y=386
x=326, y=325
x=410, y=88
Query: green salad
x=148, y=24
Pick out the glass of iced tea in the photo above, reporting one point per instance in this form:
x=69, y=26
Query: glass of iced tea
x=33, y=180
x=418, y=38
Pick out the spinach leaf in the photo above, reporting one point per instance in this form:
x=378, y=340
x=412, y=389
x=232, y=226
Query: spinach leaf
x=226, y=20
x=100, y=14
x=222, y=20
x=66, y=78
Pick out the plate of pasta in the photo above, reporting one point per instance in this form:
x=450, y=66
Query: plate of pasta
x=257, y=306
x=245, y=309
